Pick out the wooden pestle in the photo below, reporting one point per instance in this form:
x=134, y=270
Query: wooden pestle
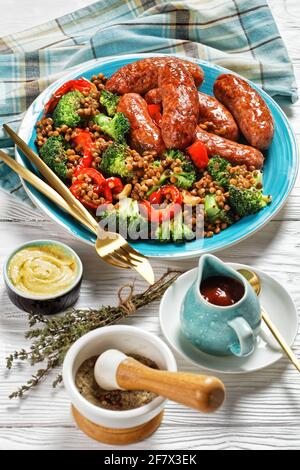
x=202, y=392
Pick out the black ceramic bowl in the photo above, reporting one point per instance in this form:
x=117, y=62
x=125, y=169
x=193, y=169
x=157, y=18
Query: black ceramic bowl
x=45, y=305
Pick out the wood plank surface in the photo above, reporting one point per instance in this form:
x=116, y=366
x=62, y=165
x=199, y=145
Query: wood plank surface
x=262, y=410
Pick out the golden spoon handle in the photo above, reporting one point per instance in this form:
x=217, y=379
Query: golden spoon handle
x=255, y=282
x=279, y=338
x=44, y=188
x=52, y=178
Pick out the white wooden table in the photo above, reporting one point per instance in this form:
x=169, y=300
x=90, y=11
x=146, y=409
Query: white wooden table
x=262, y=409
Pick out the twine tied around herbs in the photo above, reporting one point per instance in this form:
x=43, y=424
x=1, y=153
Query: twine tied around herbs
x=126, y=304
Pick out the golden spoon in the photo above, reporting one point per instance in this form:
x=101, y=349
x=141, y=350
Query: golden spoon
x=254, y=281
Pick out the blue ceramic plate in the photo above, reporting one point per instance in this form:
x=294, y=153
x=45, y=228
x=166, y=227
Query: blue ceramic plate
x=280, y=169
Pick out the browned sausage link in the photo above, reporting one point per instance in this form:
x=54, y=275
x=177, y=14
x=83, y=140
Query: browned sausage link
x=215, y=118
x=180, y=105
x=142, y=76
x=236, y=154
x=153, y=96
x=249, y=109
x=144, y=134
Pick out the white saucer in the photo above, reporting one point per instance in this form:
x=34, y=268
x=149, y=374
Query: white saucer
x=275, y=300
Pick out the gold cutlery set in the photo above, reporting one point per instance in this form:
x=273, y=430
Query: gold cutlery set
x=111, y=247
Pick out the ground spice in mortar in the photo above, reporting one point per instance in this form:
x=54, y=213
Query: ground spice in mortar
x=117, y=400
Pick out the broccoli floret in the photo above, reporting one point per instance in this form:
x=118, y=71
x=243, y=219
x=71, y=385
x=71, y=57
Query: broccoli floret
x=66, y=111
x=175, y=230
x=247, y=201
x=218, y=168
x=184, y=180
x=187, y=177
x=53, y=153
x=242, y=201
x=110, y=102
x=112, y=214
x=175, y=154
x=116, y=127
x=113, y=161
x=180, y=231
x=163, y=232
x=214, y=212
x=125, y=219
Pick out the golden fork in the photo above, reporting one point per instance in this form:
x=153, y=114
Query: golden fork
x=111, y=247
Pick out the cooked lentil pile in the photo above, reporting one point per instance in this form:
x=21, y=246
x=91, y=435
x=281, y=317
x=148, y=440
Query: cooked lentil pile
x=117, y=400
x=91, y=153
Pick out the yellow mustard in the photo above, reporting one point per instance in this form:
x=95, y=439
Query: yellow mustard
x=44, y=270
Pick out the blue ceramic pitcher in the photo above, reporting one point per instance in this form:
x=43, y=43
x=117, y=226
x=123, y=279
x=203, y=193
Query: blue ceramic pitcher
x=217, y=330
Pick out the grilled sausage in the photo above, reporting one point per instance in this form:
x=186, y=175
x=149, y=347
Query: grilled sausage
x=236, y=154
x=213, y=116
x=153, y=96
x=180, y=105
x=249, y=109
x=142, y=76
x=144, y=133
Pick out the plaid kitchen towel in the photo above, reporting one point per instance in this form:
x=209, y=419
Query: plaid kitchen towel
x=238, y=34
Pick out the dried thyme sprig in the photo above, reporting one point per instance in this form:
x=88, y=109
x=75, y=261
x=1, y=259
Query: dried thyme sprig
x=52, y=340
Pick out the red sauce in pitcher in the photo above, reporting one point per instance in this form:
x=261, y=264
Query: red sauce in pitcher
x=222, y=290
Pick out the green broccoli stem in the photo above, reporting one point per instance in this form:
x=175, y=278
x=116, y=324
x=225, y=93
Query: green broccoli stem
x=211, y=207
x=214, y=212
x=266, y=198
x=164, y=177
x=174, y=230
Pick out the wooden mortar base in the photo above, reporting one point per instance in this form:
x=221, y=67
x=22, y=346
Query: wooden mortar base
x=116, y=436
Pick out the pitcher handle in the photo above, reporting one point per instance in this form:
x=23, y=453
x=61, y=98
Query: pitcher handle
x=245, y=335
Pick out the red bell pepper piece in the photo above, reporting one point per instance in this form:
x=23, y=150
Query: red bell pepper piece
x=198, y=154
x=115, y=184
x=75, y=190
x=158, y=196
x=85, y=139
x=155, y=113
x=81, y=84
x=106, y=192
x=95, y=175
x=168, y=212
x=154, y=109
x=100, y=187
